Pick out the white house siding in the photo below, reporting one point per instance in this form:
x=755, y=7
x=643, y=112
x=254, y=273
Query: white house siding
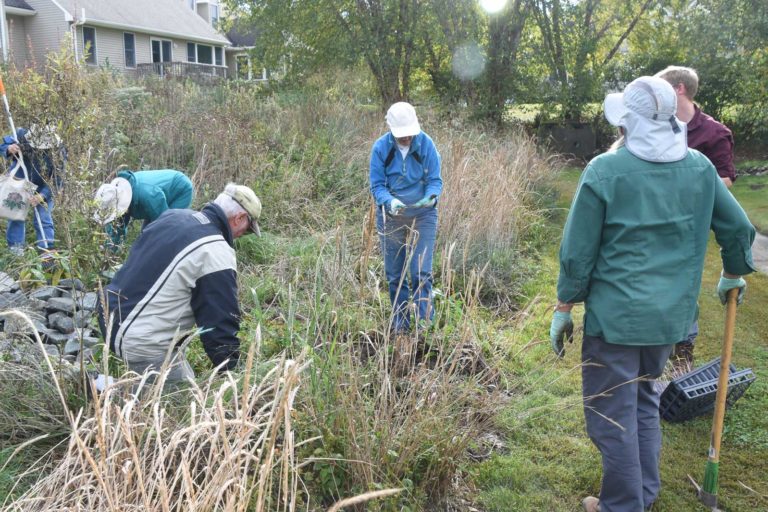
x=109, y=45
x=17, y=40
x=47, y=28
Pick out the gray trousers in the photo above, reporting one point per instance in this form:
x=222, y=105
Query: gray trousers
x=179, y=369
x=622, y=415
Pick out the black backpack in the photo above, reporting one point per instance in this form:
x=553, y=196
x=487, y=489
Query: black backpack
x=391, y=156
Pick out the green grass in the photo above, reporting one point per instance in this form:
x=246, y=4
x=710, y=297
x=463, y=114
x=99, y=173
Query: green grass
x=752, y=192
x=550, y=464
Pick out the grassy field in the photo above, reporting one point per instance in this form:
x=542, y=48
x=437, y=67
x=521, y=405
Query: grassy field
x=550, y=464
x=751, y=191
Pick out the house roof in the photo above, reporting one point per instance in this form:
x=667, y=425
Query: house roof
x=242, y=39
x=19, y=4
x=171, y=18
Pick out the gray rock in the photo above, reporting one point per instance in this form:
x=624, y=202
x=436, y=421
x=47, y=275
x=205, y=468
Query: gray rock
x=63, y=324
x=53, y=351
x=16, y=325
x=53, y=317
x=71, y=284
x=90, y=301
x=83, y=318
x=72, y=347
x=86, y=357
x=10, y=300
x=73, y=294
x=45, y=293
x=55, y=337
x=36, y=304
x=91, y=342
x=7, y=284
x=64, y=304
x=83, y=332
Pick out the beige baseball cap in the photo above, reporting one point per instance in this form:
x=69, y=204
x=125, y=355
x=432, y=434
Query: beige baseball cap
x=250, y=202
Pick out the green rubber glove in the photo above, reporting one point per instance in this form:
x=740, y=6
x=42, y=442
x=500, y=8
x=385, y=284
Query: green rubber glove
x=726, y=284
x=560, y=330
x=426, y=202
x=395, y=206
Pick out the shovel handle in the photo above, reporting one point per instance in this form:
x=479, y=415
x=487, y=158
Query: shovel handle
x=722, y=383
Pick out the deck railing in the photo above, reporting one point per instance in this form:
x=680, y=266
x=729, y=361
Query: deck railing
x=182, y=70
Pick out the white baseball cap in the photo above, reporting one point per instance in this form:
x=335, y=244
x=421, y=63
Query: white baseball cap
x=402, y=120
x=646, y=110
x=112, y=200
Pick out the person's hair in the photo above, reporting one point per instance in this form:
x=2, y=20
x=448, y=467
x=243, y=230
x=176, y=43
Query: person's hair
x=681, y=75
x=227, y=203
x=617, y=143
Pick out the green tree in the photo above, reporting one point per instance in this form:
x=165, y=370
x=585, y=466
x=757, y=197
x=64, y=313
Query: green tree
x=577, y=40
x=384, y=34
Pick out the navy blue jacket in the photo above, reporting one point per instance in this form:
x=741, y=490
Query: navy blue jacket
x=181, y=272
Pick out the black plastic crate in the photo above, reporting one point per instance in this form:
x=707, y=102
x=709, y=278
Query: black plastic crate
x=694, y=393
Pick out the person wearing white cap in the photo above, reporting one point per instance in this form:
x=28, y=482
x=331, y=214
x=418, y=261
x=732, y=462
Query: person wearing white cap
x=405, y=182
x=45, y=158
x=142, y=195
x=633, y=252
x=181, y=272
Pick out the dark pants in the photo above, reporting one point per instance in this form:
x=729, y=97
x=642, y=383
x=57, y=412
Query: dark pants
x=621, y=409
x=408, y=243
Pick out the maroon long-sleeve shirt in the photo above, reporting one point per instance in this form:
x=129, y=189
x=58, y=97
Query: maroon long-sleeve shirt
x=715, y=140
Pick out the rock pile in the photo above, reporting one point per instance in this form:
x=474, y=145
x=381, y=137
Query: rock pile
x=63, y=315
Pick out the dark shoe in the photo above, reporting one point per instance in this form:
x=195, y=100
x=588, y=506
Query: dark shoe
x=591, y=504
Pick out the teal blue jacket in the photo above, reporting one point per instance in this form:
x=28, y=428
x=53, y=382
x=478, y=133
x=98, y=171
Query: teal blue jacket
x=634, y=243
x=153, y=193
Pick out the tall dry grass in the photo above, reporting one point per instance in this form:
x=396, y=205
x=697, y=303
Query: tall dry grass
x=227, y=444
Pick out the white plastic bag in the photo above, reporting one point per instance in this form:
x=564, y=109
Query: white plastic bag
x=14, y=197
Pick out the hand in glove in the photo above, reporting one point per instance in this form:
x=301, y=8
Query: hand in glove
x=395, y=206
x=560, y=330
x=726, y=284
x=426, y=202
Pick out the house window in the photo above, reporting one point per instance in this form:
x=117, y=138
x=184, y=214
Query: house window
x=161, y=50
x=218, y=54
x=129, y=47
x=89, y=44
x=243, y=67
x=214, y=15
x=204, y=54
x=191, y=53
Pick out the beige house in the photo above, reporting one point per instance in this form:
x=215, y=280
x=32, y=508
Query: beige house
x=166, y=37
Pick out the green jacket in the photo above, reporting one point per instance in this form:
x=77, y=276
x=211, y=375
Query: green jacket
x=634, y=243
x=153, y=192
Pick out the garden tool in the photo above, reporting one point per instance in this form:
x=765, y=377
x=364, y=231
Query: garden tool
x=708, y=492
x=20, y=157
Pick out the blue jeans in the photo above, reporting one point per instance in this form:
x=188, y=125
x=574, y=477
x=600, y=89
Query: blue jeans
x=621, y=408
x=16, y=232
x=408, y=243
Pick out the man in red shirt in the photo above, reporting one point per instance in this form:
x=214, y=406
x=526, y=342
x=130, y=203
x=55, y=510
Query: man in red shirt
x=705, y=134
x=715, y=141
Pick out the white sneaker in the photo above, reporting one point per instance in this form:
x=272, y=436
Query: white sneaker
x=16, y=250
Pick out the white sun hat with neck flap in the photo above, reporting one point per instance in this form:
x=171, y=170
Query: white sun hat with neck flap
x=402, y=120
x=646, y=110
x=112, y=200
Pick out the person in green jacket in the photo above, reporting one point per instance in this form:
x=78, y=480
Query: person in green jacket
x=633, y=251
x=142, y=195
